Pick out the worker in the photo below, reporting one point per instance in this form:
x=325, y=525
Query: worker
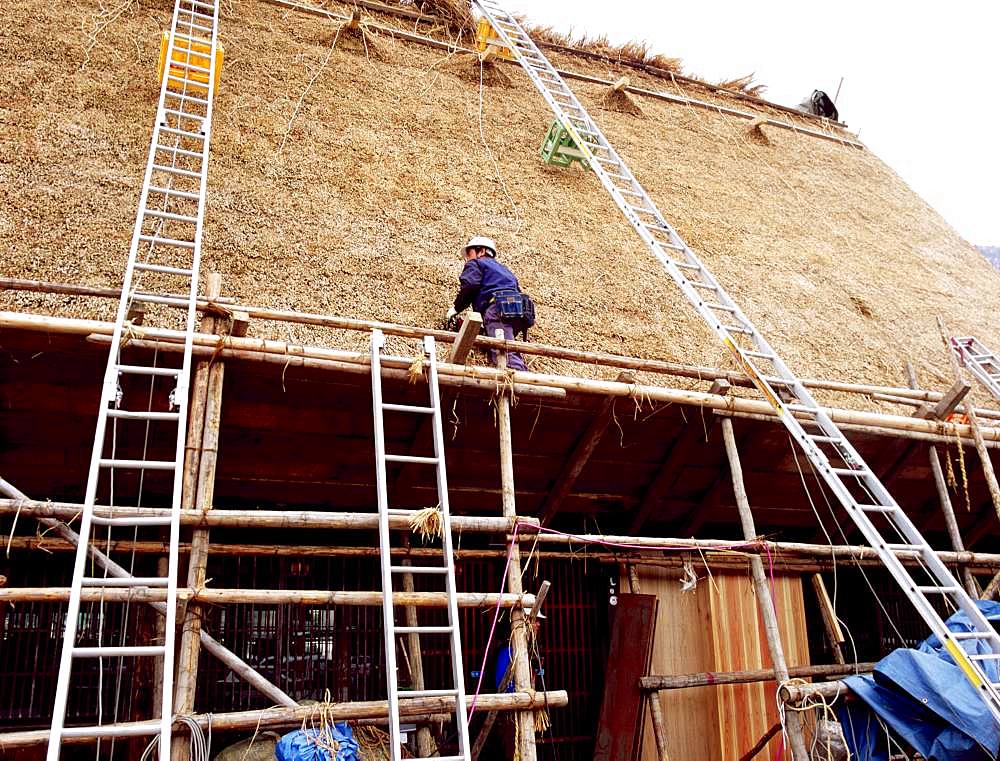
x=493, y=291
x=506, y=726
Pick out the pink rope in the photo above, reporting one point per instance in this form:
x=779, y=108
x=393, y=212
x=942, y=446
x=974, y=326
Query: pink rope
x=496, y=618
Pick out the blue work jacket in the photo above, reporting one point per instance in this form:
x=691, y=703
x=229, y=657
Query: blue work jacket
x=480, y=280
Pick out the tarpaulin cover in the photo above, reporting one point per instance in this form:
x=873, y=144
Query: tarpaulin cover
x=923, y=697
x=312, y=744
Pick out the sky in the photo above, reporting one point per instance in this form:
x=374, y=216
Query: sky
x=919, y=86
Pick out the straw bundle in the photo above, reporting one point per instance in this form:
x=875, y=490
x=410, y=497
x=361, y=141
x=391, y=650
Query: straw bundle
x=616, y=98
x=755, y=131
x=456, y=14
x=744, y=84
x=355, y=36
x=427, y=524
x=260, y=747
x=471, y=67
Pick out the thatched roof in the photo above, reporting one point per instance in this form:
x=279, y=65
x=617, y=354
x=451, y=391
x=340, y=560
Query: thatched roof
x=345, y=185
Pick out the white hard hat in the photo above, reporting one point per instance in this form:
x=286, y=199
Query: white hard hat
x=478, y=241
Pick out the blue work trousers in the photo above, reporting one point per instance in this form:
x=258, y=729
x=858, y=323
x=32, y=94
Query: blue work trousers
x=494, y=322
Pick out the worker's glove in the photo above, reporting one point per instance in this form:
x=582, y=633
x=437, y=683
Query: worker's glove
x=451, y=313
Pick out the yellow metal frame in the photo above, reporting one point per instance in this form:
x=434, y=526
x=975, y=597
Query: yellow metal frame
x=200, y=54
x=486, y=35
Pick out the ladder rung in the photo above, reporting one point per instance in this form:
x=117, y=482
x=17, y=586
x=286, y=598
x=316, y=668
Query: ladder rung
x=194, y=14
x=985, y=657
x=878, y=508
x=762, y=355
x=826, y=439
x=184, y=115
x=720, y=307
x=111, y=730
x=141, y=415
x=904, y=547
x=140, y=370
x=127, y=581
x=158, y=241
x=408, y=408
x=411, y=458
x=116, y=651
x=738, y=329
x=172, y=192
x=707, y=287
x=798, y=407
x=134, y=521
x=973, y=635
x=196, y=40
x=139, y=464
x=181, y=132
x=775, y=380
x=192, y=25
x=857, y=472
x=418, y=569
x=151, y=298
x=209, y=6
x=423, y=630
x=165, y=269
x=938, y=590
x=169, y=215
x=176, y=170
x=178, y=151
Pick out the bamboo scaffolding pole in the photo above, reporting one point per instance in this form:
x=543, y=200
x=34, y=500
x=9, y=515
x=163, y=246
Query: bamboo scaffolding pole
x=200, y=459
x=709, y=678
x=265, y=519
x=271, y=718
x=211, y=645
x=798, y=693
x=765, y=603
x=523, y=679
x=659, y=726
x=980, y=411
x=477, y=385
x=269, y=597
x=27, y=321
x=830, y=557
x=735, y=552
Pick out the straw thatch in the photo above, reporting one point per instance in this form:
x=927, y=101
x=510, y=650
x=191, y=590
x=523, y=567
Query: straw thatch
x=385, y=167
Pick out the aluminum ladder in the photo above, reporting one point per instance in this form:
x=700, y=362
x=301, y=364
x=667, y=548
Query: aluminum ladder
x=445, y=569
x=845, y=472
x=981, y=362
x=165, y=251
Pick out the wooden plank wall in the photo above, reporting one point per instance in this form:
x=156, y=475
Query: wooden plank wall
x=716, y=627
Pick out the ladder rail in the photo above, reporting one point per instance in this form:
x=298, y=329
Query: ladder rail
x=108, y=396
x=381, y=490
x=974, y=355
x=461, y=717
x=708, y=297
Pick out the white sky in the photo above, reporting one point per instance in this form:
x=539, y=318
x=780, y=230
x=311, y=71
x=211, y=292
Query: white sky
x=921, y=79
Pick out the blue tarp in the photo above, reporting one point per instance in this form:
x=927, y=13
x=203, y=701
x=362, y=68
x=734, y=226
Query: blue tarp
x=306, y=745
x=924, y=698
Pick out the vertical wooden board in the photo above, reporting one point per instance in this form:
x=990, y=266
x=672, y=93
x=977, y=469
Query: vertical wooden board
x=618, y=728
x=682, y=645
x=717, y=627
x=753, y=708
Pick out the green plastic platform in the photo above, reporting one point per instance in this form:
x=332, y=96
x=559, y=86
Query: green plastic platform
x=558, y=147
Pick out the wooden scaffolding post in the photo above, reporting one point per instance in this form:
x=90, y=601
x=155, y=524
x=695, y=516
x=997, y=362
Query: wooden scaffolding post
x=199, y=487
x=415, y=661
x=652, y=696
x=765, y=603
x=523, y=681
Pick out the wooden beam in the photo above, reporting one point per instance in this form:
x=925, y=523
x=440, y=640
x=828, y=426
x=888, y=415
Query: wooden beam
x=834, y=634
x=620, y=84
x=467, y=334
x=951, y=399
x=294, y=716
x=706, y=678
x=761, y=743
x=578, y=459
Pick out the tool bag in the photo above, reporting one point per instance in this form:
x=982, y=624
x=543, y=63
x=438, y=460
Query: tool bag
x=516, y=308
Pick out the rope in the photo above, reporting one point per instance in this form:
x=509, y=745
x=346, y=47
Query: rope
x=518, y=222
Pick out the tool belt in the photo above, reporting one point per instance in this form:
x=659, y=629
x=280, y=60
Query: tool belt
x=515, y=306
